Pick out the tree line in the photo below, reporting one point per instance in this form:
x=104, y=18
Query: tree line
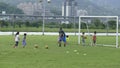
x=98, y=24
x=94, y=24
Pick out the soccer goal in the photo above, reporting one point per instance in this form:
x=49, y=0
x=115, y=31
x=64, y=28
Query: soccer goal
x=105, y=26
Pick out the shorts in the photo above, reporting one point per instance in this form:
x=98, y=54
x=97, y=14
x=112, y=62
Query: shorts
x=16, y=43
x=83, y=41
x=23, y=42
x=94, y=41
x=62, y=39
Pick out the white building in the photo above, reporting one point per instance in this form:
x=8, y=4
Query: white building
x=69, y=8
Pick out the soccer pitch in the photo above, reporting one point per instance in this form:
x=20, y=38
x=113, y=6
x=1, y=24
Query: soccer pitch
x=71, y=56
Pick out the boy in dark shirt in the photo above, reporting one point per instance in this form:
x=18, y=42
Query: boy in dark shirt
x=62, y=37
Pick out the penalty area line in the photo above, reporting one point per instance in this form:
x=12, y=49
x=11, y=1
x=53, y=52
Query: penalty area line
x=106, y=45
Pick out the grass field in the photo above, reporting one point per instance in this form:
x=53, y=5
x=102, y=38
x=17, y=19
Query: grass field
x=56, y=57
x=34, y=29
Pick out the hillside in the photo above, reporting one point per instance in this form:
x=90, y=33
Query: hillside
x=9, y=9
x=94, y=7
x=109, y=3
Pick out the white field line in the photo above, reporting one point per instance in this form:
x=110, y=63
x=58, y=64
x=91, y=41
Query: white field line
x=56, y=33
x=106, y=45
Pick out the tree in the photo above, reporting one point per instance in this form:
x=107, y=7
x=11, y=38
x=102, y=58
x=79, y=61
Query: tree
x=112, y=24
x=27, y=24
x=97, y=24
x=19, y=23
x=83, y=25
x=36, y=24
x=0, y=23
x=3, y=23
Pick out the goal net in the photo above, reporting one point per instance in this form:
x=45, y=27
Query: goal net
x=106, y=28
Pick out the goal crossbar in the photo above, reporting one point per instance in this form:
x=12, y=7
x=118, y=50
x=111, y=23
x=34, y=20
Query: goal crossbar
x=117, y=21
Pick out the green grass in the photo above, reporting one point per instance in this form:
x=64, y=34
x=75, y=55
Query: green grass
x=34, y=29
x=56, y=57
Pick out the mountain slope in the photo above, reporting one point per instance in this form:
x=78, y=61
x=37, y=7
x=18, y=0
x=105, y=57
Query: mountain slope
x=110, y=3
x=94, y=7
x=9, y=9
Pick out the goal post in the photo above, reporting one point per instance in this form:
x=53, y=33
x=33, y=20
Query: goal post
x=102, y=18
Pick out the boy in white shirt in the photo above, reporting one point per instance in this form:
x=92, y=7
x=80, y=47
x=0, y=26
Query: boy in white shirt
x=16, y=39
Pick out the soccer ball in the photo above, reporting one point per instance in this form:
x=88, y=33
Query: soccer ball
x=75, y=50
x=67, y=51
x=46, y=47
x=77, y=53
x=84, y=54
x=36, y=46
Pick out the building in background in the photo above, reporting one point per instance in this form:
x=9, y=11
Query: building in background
x=30, y=8
x=69, y=8
x=82, y=12
x=27, y=8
